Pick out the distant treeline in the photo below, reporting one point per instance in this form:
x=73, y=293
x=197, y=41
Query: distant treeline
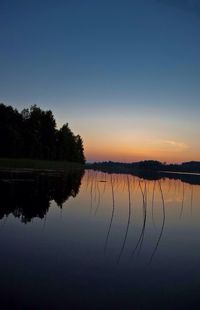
x=33, y=134
x=148, y=165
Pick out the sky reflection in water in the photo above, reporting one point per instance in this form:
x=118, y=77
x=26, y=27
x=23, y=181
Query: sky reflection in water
x=120, y=240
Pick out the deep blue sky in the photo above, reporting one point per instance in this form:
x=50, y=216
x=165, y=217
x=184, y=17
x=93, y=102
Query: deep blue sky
x=110, y=68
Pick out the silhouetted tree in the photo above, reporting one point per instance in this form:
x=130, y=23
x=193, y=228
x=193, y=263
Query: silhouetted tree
x=33, y=134
x=79, y=149
x=11, y=132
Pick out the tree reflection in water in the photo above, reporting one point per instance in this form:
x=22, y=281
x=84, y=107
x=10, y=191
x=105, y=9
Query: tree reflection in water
x=133, y=208
x=28, y=194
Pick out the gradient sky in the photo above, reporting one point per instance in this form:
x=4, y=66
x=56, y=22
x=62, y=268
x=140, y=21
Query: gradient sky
x=124, y=74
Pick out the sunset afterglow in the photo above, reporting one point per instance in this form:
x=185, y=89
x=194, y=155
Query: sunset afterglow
x=125, y=76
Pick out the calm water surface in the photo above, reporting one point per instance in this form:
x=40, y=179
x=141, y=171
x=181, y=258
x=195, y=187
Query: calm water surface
x=100, y=241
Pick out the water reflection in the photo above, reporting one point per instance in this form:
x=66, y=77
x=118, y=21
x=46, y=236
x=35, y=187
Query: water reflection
x=27, y=195
x=112, y=214
x=144, y=207
x=163, y=223
x=150, y=195
x=123, y=242
x=129, y=218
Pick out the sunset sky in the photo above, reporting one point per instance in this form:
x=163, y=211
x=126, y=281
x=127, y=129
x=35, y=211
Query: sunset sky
x=124, y=74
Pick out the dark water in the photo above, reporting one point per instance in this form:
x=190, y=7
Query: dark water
x=98, y=241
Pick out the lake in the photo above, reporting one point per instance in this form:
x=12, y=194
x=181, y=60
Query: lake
x=91, y=239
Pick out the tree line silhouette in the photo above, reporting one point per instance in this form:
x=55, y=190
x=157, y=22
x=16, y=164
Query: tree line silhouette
x=33, y=134
x=146, y=166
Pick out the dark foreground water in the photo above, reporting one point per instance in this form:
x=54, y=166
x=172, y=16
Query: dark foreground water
x=98, y=241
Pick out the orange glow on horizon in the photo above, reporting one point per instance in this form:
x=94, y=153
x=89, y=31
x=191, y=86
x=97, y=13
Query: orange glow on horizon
x=125, y=153
x=132, y=138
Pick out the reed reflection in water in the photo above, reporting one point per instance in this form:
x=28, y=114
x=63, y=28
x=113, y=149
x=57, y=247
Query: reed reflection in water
x=140, y=207
x=133, y=211
x=108, y=238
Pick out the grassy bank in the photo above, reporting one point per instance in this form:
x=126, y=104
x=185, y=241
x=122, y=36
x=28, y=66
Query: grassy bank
x=12, y=163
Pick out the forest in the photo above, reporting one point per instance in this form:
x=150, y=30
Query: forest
x=32, y=133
